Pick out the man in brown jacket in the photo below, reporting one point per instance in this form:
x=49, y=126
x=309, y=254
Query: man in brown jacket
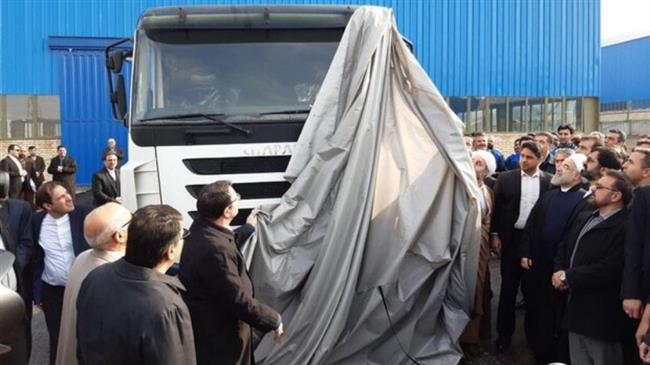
x=219, y=289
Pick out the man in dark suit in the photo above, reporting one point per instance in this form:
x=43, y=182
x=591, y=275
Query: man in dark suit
x=39, y=166
x=589, y=266
x=515, y=194
x=551, y=217
x=16, y=230
x=106, y=182
x=17, y=173
x=63, y=169
x=219, y=289
x=111, y=146
x=58, y=230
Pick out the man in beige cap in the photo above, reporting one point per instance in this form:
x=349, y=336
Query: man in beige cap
x=105, y=229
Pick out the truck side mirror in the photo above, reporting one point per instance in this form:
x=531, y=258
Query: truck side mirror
x=116, y=60
x=118, y=99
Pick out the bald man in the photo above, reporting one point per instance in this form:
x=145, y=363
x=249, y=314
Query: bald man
x=105, y=229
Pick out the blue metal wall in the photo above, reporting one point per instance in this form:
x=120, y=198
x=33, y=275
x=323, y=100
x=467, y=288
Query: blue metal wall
x=625, y=72
x=469, y=48
x=480, y=47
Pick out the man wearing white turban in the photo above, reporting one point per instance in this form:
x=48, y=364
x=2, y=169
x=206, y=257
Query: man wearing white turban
x=478, y=329
x=551, y=217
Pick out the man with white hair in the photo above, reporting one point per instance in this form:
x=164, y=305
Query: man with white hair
x=479, y=327
x=548, y=223
x=111, y=146
x=105, y=230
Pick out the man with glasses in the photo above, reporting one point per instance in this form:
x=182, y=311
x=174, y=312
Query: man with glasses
x=129, y=311
x=589, y=265
x=58, y=232
x=17, y=173
x=105, y=229
x=219, y=289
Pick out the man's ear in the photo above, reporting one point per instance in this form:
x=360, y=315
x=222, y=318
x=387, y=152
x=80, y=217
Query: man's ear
x=47, y=206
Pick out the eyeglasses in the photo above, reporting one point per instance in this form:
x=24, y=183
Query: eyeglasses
x=599, y=187
x=237, y=197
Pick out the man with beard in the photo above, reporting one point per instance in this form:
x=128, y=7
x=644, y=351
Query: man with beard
x=588, y=144
x=635, y=286
x=545, y=142
x=549, y=221
x=479, y=326
x=600, y=160
x=589, y=266
x=564, y=134
x=515, y=194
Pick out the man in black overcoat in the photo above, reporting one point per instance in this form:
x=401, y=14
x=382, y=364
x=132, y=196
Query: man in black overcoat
x=63, y=169
x=589, y=265
x=219, y=290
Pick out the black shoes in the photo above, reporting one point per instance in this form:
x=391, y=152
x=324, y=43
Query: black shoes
x=503, y=343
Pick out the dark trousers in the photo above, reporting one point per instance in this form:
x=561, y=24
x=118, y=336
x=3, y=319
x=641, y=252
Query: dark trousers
x=52, y=307
x=544, y=311
x=511, y=275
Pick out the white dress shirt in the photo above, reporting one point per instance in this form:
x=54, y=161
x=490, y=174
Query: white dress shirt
x=112, y=173
x=8, y=280
x=56, y=240
x=529, y=196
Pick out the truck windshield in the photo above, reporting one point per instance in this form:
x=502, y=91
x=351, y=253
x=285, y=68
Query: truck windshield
x=229, y=72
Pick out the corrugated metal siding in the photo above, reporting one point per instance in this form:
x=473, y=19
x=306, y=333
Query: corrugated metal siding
x=86, y=121
x=482, y=47
x=626, y=75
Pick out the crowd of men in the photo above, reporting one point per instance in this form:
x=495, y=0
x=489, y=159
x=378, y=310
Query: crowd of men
x=108, y=281
x=568, y=217
x=566, y=214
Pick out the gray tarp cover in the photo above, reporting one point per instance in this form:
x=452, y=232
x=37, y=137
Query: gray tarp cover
x=383, y=194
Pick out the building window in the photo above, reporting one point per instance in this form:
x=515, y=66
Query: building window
x=517, y=114
x=30, y=117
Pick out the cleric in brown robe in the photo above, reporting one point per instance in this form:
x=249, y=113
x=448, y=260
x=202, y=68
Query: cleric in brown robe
x=479, y=326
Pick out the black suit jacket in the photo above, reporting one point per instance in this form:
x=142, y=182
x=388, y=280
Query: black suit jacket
x=17, y=214
x=15, y=181
x=594, y=308
x=105, y=189
x=220, y=296
x=507, y=197
x=67, y=176
x=38, y=166
x=636, y=275
x=79, y=243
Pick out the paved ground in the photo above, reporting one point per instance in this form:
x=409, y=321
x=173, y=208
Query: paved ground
x=518, y=353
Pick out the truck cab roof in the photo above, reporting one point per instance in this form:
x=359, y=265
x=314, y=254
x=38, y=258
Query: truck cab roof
x=247, y=17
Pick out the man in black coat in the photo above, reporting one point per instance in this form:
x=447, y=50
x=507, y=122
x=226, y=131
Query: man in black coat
x=551, y=217
x=63, y=169
x=14, y=167
x=16, y=235
x=637, y=271
x=219, y=289
x=111, y=146
x=515, y=194
x=129, y=311
x=589, y=266
x=636, y=278
x=106, y=182
x=58, y=232
x=38, y=164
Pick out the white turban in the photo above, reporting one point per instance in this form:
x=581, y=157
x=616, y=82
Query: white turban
x=579, y=160
x=489, y=159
